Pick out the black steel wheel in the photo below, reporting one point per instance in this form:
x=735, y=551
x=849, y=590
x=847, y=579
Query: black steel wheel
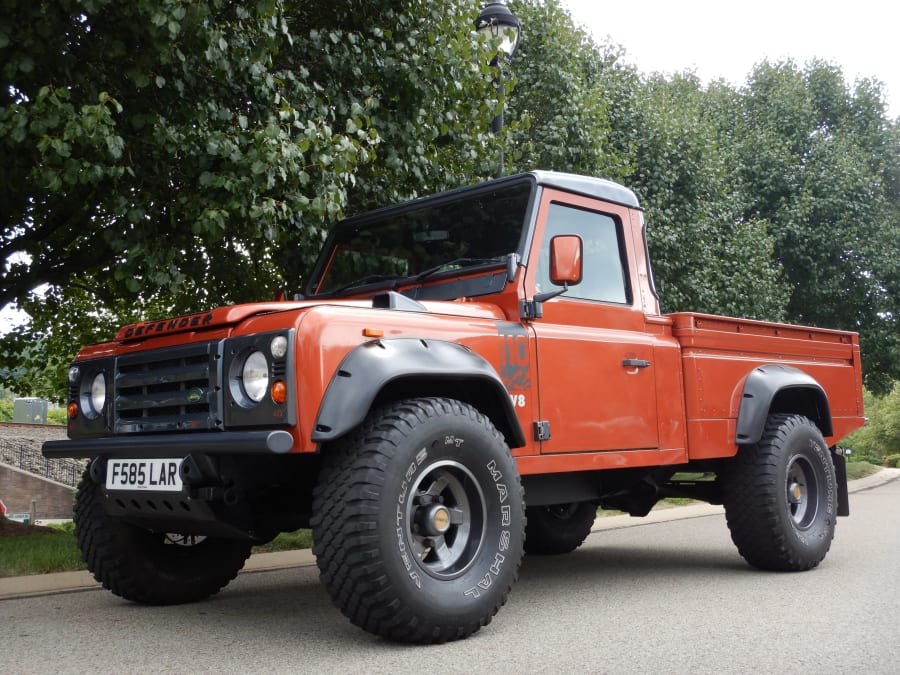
x=149, y=567
x=418, y=521
x=780, y=496
x=558, y=528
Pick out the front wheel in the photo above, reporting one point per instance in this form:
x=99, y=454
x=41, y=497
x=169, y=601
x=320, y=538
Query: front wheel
x=418, y=521
x=780, y=496
x=149, y=567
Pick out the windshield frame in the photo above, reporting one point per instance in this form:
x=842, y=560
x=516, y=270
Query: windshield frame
x=364, y=220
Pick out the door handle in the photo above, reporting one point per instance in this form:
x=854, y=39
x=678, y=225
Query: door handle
x=635, y=363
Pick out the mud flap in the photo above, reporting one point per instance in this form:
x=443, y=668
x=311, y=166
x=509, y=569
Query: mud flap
x=840, y=472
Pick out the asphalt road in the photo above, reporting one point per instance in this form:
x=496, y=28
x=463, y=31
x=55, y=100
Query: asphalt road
x=669, y=597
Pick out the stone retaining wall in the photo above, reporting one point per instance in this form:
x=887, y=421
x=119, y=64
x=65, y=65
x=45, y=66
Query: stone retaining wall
x=18, y=488
x=26, y=475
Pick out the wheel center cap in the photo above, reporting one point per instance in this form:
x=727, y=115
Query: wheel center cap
x=440, y=519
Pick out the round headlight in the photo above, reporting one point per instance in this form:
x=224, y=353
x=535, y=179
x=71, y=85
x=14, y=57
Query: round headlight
x=98, y=392
x=255, y=376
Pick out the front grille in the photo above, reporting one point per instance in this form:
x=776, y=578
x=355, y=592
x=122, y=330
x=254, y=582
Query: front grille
x=174, y=389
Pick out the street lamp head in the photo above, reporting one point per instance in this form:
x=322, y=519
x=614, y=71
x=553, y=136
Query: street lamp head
x=496, y=20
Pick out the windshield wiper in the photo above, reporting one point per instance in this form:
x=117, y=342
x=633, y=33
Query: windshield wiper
x=362, y=281
x=450, y=265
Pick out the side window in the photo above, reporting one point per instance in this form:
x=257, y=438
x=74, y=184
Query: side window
x=604, y=269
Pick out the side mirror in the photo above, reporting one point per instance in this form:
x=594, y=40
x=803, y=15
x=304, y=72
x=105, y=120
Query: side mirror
x=565, y=270
x=566, y=260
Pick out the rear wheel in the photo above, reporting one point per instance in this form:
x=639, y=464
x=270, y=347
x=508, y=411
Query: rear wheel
x=419, y=520
x=558, y=528
x=149, y=567
x=780, y=496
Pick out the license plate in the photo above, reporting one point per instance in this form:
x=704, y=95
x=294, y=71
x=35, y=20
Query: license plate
x=156, y=475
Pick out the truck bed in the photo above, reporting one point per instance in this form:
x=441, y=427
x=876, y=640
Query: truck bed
x=719, y=352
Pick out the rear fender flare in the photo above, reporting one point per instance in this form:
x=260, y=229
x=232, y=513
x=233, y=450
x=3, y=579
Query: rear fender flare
x=429, y=367
x=775, y=388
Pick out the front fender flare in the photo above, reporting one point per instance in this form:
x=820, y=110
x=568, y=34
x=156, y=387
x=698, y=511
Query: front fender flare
x=368, y=368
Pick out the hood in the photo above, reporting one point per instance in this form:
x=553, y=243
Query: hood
x=221, y=316
x=234, y=314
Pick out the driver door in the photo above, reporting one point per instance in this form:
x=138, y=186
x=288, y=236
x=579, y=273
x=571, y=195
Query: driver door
x=596, y=383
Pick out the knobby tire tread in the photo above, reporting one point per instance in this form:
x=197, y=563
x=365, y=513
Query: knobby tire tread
x=753, y=514
x=120, y=568
x=346, y=529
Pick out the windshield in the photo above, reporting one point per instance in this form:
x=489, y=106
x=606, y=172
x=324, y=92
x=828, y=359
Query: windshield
x=426, y=240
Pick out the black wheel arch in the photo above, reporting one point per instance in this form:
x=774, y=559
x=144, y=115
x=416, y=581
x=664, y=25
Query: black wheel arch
x=775, y=388
x=392, y=369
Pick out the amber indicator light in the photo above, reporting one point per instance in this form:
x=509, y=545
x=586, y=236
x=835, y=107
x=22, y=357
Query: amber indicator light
x=279, y=392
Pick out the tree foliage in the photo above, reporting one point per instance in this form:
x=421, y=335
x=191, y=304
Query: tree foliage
x=156, y=144
x=707, y=255
x=558, y=105
x=820, y=161
x=164, y=156
x=172, y=155
x=881, y=436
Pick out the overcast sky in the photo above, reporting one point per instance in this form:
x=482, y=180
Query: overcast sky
x=719, y=39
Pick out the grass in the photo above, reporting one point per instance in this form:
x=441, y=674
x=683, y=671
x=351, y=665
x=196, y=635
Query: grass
x=39, y=553
x=857, y=470
x=56, y=551
x=53, y=549
x=287, y=541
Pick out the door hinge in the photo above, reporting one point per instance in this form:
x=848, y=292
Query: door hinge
x=542, y=430
x=530, y=309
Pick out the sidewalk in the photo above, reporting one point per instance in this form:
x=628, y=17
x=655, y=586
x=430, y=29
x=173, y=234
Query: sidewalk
x=66, y=582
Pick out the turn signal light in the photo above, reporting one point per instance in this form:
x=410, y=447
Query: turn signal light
x=373, y=332
x=279, y=392
x=72, y=410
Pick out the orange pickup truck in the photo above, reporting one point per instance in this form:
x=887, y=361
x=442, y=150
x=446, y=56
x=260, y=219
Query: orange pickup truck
x=465, y=378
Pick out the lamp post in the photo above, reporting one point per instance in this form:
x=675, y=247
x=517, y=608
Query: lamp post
x=495, y=20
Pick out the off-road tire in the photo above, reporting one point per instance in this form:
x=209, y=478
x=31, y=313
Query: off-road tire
x=144, y=566
x=780, y=496
x=413, y=466
x=558, y=528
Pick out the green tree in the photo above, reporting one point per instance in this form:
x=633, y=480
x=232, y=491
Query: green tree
x=707, y=255
x=139, y=138
x=163, y=156
x=881, y=436
x=558, y=108
x=6, y=404
x=820, y=162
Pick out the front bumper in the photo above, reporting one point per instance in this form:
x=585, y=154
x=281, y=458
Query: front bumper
x=277, y=442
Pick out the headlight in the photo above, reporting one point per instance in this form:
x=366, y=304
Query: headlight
x=90, y=397
x=92, y=394
x=255, y=376
x=98, y=393
x=260, y=390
